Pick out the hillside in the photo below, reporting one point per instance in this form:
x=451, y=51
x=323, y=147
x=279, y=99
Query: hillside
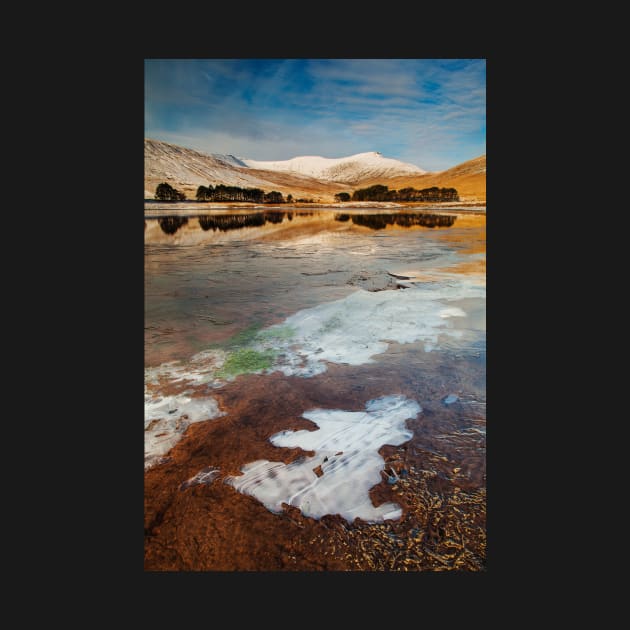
x=469, y=178
x=187, y=169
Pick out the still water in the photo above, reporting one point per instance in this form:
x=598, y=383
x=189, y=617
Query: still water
x=209, y=277
x=373, y=322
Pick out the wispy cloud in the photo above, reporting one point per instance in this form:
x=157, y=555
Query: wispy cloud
x=428, y=112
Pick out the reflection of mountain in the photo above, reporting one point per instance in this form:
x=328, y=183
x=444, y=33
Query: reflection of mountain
x=170, y=225
x=381, y=221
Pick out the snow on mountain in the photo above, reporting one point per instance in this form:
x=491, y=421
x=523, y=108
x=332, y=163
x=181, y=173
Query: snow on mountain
x=176, y=164
x=347, y=170
x=228, y=159
x=186, y=169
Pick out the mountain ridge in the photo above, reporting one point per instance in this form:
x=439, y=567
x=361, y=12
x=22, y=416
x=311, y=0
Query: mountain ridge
x=345, y=170
x=186, y=169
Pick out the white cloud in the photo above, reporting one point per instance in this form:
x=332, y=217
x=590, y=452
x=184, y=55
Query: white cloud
x=427, y=112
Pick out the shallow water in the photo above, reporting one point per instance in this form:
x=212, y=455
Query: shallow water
x=204, y=286
x=357, y=306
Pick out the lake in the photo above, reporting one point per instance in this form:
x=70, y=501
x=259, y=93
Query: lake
x=315, y=389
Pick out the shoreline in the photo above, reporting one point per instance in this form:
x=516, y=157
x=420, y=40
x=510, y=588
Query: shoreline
x=202, y=207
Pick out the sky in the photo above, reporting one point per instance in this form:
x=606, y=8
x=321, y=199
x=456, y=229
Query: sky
x=428, y=112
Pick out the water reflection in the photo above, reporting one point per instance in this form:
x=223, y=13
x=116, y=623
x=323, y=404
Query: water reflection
x=227, y=222
x=170, y=225
x=230, y=221
x=381, y=221
x=280, y=223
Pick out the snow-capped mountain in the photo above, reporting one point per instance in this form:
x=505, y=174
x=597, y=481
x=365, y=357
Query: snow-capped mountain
x=310, y=177
x=346, y=170
x=186, y=169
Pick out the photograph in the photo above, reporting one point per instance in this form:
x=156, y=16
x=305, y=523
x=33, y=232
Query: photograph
x=314, y=315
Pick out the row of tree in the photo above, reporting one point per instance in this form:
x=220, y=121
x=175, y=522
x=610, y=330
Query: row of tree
x=378, y=192
x=236, y=193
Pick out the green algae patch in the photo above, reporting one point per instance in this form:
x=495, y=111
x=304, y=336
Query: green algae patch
x=245, y=361
x=244, y=337
x=281, y=333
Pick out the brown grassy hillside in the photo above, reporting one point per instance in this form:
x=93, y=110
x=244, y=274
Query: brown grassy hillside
x=469, y=178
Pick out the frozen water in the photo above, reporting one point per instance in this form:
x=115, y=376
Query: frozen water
x=354, y=329
x=346, y=448
x=166, y=418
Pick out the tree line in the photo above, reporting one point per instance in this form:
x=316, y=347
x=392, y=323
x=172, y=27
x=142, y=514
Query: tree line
x=221, y=192
x=379, y=192
x=166, y=192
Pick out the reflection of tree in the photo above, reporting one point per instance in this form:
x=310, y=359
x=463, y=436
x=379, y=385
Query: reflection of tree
x=170, y=225
x=225, y=222
x=373, y=221
x=274, y=217
x=382, y=220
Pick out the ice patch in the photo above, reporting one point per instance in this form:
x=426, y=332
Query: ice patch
x=452, y=311
x=348, y=331
x=203, y=477
x=346, y=448
x=166, y=418
x=354, y=329
x=200, y=369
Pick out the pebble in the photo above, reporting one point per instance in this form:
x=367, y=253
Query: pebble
x=450, y=399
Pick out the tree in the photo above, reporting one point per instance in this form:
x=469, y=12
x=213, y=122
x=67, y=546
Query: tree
x=289, y=198
x=273, y=197
x=255, y=195
x=165, y=192
x=378, y=192
x=342, y=196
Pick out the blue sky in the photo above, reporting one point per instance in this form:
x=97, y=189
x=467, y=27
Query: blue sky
x=430, y=112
